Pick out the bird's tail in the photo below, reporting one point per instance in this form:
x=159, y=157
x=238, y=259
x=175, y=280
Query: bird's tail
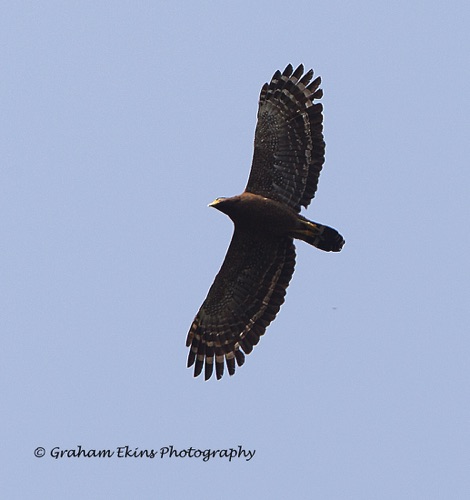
x=320, y=236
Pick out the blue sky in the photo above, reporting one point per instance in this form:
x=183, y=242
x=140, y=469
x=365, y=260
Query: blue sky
x=120, y=122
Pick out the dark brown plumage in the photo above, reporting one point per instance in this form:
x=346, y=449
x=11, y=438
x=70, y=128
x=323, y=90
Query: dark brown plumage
x=251, y=285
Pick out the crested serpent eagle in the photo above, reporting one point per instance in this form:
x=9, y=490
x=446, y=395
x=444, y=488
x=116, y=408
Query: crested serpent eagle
x=250, y=287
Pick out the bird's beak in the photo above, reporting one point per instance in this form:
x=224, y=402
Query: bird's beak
x=214, y=203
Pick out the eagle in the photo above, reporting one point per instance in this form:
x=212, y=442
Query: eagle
x=250, y=287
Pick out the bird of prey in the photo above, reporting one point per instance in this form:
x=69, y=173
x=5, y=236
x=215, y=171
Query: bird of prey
x=250, y=287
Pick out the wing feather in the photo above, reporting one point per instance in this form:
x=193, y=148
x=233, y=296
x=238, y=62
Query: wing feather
x=289, y=149
x=245, y=297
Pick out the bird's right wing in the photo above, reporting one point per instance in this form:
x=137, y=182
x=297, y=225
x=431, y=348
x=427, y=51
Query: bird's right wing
x=289, y=149
x=245, y=297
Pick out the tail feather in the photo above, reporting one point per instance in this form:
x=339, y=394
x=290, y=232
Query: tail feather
x=320, y=236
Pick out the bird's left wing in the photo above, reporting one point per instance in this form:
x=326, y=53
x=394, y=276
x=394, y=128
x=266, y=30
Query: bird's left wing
x=245, y=297
x=289, y=149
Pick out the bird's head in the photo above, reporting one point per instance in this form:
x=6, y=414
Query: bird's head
x=217, y=203
x=225, y=205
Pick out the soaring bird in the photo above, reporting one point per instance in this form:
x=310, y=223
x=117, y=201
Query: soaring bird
x=250, y=287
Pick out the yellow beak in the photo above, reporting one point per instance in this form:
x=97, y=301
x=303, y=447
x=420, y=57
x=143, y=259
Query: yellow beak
x=215, y=202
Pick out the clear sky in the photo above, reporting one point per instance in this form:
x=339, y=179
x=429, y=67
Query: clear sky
x=120, y=122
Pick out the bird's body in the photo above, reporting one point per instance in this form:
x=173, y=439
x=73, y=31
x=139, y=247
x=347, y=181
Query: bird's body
x=251, y=284
x=257, y=213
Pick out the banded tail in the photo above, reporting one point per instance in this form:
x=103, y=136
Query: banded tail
x=320, y=236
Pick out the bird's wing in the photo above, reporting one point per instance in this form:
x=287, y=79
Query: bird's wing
x=245, y=297
x=289, y=147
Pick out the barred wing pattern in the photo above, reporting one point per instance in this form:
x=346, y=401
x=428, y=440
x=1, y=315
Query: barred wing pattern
x=289, y=147
x=243, y=300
